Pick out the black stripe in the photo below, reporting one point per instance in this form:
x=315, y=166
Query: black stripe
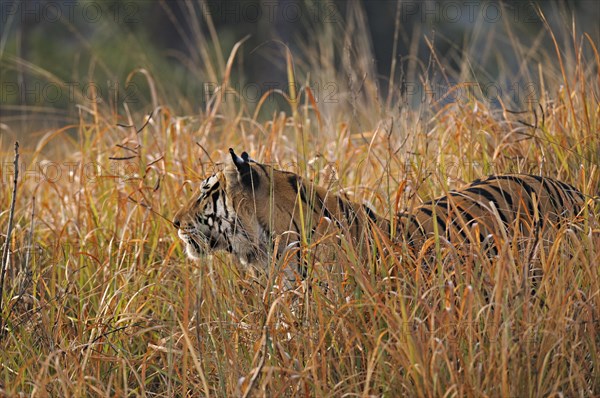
x=371, y=214
x=303, y=197
x=351, y=213
x=250, y=178
x=202, y=219
x=281, y=209
x=506, y=196
x=342, y=205
x=215, y=198
x=441, y=223
x=426, y=211
x=545, y=185
x=521, y=181
x=195, y=244
x=263, y=168
x=411, y=221
x=299, y=188
x=481, y=191
x=215, y=186
x=469, y=219
x=294, y=182
x=442, y=203
x=557, y=194
x=324, y=209
x=571, y=191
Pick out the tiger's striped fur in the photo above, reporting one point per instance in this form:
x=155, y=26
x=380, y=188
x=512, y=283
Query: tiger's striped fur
x=494, y=206
x=255, y=211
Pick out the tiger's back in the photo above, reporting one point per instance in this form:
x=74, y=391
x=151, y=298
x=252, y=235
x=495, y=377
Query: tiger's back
x=493, y=207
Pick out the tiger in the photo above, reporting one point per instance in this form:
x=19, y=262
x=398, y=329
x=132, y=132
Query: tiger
x=255, y=211
x=261, y=214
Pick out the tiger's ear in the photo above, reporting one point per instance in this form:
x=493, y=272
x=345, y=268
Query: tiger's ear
x=240, y=163
x=248, y=176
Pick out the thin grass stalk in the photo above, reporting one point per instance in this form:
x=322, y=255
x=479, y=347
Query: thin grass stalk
x=5, y=256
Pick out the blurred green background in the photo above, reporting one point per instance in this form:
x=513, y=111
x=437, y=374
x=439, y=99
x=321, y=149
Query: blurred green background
x=59, y=56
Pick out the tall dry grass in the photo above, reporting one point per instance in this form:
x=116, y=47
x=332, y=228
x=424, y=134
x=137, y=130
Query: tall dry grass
x=108, y=305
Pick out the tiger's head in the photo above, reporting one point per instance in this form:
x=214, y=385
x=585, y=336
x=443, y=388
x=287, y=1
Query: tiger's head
x=223, y=214
x=240, y=210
